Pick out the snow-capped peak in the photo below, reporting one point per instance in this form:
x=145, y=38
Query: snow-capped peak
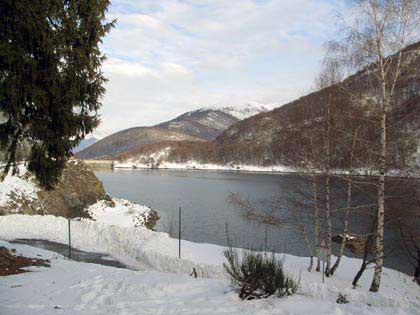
x=241, y=111
x=245, y=111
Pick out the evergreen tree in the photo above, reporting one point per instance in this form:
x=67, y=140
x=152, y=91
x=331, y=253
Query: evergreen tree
x=51, y=82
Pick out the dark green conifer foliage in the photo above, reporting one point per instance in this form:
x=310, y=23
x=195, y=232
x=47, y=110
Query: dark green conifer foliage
x=51, y=84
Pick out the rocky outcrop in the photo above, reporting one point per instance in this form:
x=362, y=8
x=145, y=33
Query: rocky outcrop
x=77, y=190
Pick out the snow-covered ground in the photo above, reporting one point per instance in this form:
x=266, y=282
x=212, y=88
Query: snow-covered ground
x=124, y=213
x=163, y=286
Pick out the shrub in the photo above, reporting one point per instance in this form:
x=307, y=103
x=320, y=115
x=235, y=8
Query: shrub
x=258, y=275
x=342, y=299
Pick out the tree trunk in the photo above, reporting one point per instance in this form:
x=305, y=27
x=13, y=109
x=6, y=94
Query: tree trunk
x=327, y=192
x=329, y=232
x=417, y=271
x=345, y=230
x=308, y=244
x=379, y=248
x=359, y=273
x=316, y=220
x=347, y=211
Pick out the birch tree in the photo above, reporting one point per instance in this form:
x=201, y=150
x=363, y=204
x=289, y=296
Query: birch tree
x=329, y=77
x=374, y=37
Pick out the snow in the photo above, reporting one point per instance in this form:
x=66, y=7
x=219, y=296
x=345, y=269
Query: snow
x=69, y=287
x=241, y=111
x=137, y=247
x=138, y=162
x=245, y=111
x=17, y=185
x=124, y=213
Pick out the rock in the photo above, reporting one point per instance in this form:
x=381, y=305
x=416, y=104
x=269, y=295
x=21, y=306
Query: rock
x=77, y=189
x=152, y=219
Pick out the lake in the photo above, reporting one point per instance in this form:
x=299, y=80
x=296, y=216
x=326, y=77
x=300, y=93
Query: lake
x=207, y=213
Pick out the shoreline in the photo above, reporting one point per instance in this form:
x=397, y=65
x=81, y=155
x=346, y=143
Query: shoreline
x=253, y=169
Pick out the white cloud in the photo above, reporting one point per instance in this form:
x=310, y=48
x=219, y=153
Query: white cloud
x=121, y=67
x=176, y=69
x=170, y=56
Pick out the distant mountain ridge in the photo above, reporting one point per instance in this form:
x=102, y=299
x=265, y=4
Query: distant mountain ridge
x=84, y=144
x=197, y=125
x=130, y=139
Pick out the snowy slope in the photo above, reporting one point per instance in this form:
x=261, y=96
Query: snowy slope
x=69, y=287
x=244, y=111
x=240, y=112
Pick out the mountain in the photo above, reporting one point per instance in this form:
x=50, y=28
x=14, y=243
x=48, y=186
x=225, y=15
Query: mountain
x=197, y=125
x=84, y=144
x=130, y=139
x=209, y=122
x=205, y=124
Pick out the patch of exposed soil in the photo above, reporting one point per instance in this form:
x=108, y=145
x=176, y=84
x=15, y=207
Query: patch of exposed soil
x=11, y=264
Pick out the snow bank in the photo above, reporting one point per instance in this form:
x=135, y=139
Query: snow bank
x=124, y=213
x=138, y=247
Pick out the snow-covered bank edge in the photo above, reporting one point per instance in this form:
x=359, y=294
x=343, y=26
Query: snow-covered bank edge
x=192, y=165
x=246, y=168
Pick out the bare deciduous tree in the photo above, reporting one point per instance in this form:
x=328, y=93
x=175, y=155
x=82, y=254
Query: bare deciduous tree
x=378, y=30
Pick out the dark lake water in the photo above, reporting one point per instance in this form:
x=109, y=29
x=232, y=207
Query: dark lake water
x=206, y=210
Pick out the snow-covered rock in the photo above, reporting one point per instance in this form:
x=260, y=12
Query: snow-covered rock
x=18, y=187
x=122, y=213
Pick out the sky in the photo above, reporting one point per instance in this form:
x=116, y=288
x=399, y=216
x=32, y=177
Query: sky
x=167, y=57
